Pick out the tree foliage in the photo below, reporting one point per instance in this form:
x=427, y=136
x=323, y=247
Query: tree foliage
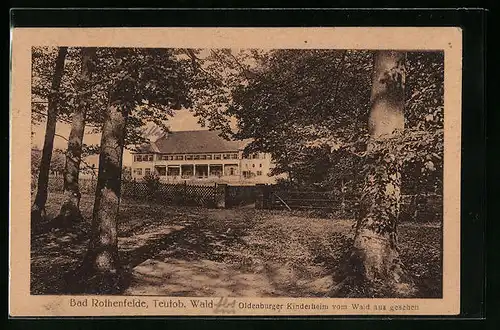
x=309, y=109
x=165, y=80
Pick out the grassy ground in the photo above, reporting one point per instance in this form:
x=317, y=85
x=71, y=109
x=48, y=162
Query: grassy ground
x=236, y=252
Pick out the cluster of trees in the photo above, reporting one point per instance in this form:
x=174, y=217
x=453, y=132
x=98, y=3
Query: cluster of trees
x=113, y=91
x=374, y=118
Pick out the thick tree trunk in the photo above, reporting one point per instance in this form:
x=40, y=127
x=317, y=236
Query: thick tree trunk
x=70, y=210
x=375, y=254
x=101, y=267
x=43, y=174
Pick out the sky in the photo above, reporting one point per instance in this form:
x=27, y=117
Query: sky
x=182, y=120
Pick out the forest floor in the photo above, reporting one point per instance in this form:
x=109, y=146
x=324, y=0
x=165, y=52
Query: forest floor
x=187, y=251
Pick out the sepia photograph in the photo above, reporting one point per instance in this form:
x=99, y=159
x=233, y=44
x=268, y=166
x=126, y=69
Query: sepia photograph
x=244, y=172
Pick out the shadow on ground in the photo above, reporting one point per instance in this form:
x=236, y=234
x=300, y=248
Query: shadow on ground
x=174, y=251
x=228, y=253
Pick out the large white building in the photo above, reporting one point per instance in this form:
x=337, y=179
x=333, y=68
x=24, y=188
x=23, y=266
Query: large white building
x=201, y=156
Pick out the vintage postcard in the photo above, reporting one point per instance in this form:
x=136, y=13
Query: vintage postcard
x=235, y=171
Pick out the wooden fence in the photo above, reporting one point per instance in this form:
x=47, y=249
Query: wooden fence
x=178, y=194
x=241, y=196
x=421, y=207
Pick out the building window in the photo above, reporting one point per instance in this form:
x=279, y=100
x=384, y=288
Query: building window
x=189, y=157
x=253, y=165
x=227, y=156
x=217, y=156
x=145, y=158
x=179, y=157
x=259, y=173
x=138, y=158
x=203, y=157
x=196, y=157
x=209, y=157
x=161, y=170
x=138, y=171
x=260, y=165
x=231, y=171
x=234, y=156
x=147, y=171
x=255, y=156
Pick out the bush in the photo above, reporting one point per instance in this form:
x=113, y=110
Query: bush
x=152, y=181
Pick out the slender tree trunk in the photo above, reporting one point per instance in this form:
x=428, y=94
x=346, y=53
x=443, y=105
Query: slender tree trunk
x=43, y=175
x=101, y=265
x=70, y=210
x=375, y=253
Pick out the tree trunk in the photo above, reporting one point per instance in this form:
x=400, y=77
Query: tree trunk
x=70, y=210
x=43, y=174
x=101, y=267
x=375, y=254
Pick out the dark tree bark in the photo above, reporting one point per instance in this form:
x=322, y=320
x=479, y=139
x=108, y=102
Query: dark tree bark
x=70, y=210
x=43, y=175
x=101, y=267
x=375, y=254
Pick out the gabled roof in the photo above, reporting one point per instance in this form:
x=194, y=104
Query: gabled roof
x=182, y=142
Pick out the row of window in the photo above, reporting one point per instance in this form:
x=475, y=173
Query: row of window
x=143, y=158
x=149, y=158
x=254, y=156
x=167, y=157
x=162, y=172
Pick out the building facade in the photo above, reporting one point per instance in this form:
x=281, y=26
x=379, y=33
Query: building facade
x=201, y=156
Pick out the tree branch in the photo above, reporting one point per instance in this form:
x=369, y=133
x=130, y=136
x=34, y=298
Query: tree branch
x=195, y=60
x=62, y=137
x=65, y=153
x=247, y=72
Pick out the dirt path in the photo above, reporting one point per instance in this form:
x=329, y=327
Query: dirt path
x=239, y=252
